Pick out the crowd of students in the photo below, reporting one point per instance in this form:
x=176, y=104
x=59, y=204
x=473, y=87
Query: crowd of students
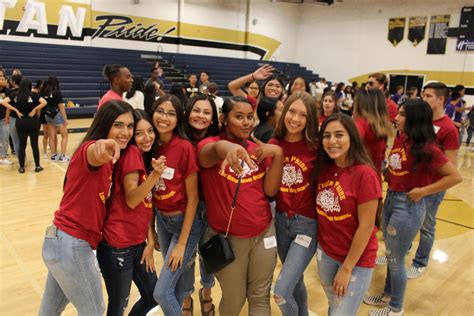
x=309, y=171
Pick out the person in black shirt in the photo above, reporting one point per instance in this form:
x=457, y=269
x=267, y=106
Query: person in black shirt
x=28, y=105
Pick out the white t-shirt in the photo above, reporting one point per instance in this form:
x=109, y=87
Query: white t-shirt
x=137, y=101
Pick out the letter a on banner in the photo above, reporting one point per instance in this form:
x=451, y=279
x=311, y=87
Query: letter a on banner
x=396, y=28
x=416, y=29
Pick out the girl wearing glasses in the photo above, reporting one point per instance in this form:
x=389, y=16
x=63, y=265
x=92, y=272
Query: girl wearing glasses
x=176, y=200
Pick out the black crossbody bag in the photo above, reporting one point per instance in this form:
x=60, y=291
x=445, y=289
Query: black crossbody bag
x=217, y=252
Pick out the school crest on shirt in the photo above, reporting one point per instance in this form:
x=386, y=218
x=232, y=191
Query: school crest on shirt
x=291, y=175
x=247, y=170
x=248, y=174
x=328, y=201
x=395, y=159
x=160, y=185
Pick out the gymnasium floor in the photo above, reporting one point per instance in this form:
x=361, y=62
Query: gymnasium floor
x=27, y=203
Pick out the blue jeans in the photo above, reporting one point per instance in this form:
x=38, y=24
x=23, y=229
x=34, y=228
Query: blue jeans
x=207, y=280
x=4, y=136
x=73, y=275
x=14, y=135
x=427, y=232
x=401, y=221
x=358, y=286
x=295, y=258
x=119, y=267
x=170, y=288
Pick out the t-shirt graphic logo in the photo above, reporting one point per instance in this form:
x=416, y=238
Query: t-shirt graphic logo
x=328, y=201
x=291, y=175
x=247, y=171
x=395, y=161
x=160, y=185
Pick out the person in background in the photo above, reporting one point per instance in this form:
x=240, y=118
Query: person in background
x=470, y=129
x=320, y=86
x=11, y=117
x=204, y=79
x=379, y=81
x=156, y=83
x=135, y=96
x=38, y=88
x=4, y=128
x=191, y=87
x=328, y=106
x=340, y=95
x=120, y=80
x=398, y=94
x=412, y=93
x=268, y=113
x=178, y=91
x=347, y=104
x=213, y=91
x=297, y=83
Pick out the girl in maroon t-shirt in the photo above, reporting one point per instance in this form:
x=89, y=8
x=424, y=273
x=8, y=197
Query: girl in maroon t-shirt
x=371, y=119
x=348, y=192
x=224, y=159
x=123, y=254
x=175, y=199
x=201, y=121
x=328, y=106
x=73, y=275
x=295, y=219
x=414, y=166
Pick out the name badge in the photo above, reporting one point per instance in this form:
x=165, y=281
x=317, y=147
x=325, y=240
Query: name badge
x=303, y=240
x=168, y=174
x=270, y=242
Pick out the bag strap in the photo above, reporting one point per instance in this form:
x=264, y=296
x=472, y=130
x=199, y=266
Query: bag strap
x=234, y=201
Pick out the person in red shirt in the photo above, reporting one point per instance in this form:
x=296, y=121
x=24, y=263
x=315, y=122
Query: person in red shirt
x=416, y=168
x=371, y=119
x=379, y=81
x=175, y=199
x=348, y=192
x=225, y=158
x=123, y=254
x=73, y=275
x=328, y=106
x=295, y=219
x=120, y=80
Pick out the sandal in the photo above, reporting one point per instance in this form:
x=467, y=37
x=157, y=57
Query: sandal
x=210, y=312
x=189, y=309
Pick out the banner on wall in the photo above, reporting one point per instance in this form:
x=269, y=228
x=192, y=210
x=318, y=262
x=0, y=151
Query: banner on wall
x=74, y=21
x=438, y=34
x=466, y=30
x=396, y=28
x=416, y=29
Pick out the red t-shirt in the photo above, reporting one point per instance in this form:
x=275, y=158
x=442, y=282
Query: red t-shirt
x=447, y=135
x=82, y=209
x=392, y=109
x=125, y=227
x=170, y=195
x=374, y=146
x=252, y=101
x=322, y=118
x=296, y=195
x=252, y=213
x=337, y=199
x=110, y=95
x=401, y=176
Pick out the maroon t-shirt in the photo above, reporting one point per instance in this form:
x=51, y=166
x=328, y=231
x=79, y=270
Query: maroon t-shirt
x=82, y=209
x=374, y=146
x=125, y=227
x=402, y=176
x=392, y=109
x=296, y=195
x=338, y=195
x=170, y=194
x=252, y=213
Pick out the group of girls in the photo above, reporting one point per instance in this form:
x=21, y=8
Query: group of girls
x=181, y=171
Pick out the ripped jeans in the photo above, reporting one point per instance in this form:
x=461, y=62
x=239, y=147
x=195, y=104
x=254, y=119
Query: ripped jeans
x=358, y=285
x=401, y=221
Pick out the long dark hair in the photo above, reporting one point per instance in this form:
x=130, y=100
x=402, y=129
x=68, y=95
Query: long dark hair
x=51, y=86
x=277, y=78
x=229, y=105
x=213, y=129
x=371, y=104
x=24, y=91
x=357, y=153
x=176, y=89
x=138, y=115
x=310, y=132
x=266, y=109
x=419, y=128
x=137, y=85
x=292, y=80
x=105, y=118
x=178, y=107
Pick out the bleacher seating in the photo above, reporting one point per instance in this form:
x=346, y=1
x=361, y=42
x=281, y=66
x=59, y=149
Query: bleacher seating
x=79, y=68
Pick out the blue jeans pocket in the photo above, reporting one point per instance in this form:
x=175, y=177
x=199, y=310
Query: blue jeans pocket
x=51, y=250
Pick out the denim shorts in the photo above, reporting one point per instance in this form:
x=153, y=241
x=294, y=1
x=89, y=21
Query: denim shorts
x=56, y=120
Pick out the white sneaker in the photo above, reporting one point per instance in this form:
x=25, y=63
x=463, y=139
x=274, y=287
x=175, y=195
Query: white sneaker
x=414, y=272
x=64, y=158
x=377, y=300
x=54, y=157
x=381, y=260
x=5, y=162
x=386, y=311
x=45, y=156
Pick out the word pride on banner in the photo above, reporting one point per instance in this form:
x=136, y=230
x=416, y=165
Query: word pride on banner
x=416, y=29
x=438, y=34
x=396, y=28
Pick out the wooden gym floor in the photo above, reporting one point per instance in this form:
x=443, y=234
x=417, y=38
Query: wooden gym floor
x=27, y=203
